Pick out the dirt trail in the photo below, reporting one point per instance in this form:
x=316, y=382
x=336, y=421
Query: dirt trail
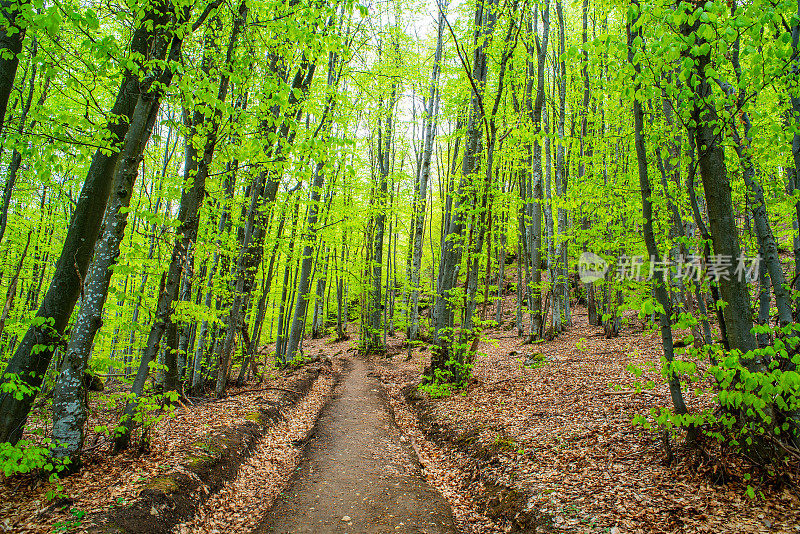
x=356, y=476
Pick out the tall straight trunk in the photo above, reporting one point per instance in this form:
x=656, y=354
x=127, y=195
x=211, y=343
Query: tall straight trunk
x=341, y=297
x=69, y=409
x=548, y=210
x=467, y=334
x=647, y=224
x=766, y=239
x=560, y=255
x=250, y=254
x=294, y=339
x=318, y=324
x=251, y=249
x=585, y=153
x=70, y=269
x=375, y=334
x=418, y=218
x=280, y=342
x=501, y=268
x=195, y=170
x=535, y=207
x=795, y=181
x=265, y=289
x=520, y=288
x=716, y=185
x=488, y=270
x=11, y=292
x=704, y=233
x=196, y=164
x=452, y=243
x=309, y=238
x=763, y=338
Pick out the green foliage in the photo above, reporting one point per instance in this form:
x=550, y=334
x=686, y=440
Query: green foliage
x=13, y=384
x=71, y=524
x=439, y=386
x=28, y=456
x=755, y=407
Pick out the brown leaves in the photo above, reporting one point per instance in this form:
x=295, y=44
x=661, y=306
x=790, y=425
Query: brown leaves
x=109, y=481
x=562, y=434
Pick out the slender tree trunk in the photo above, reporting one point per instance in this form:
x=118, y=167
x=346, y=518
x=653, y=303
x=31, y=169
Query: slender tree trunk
x=69, y=410
x=318, y=324
x=12, y=35
x=444, y=308
x=561, y=258
x=649, y=237
x=724, y=234
x=309, y=237
x=535, y=207
x=196, y=171
x=310, y=234
x=250, y=255
x=375, y=340
x=70, y=269
x=12, y=286
x=501, y=269
x=16, y=155
x=418, y=218
x=795, y=182
x=766, y=239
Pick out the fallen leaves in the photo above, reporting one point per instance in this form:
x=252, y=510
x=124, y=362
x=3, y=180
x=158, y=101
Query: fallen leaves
x=574, y=447
x=107, y=481
x=241, y=503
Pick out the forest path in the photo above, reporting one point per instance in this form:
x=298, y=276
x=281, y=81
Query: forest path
x=356, y=476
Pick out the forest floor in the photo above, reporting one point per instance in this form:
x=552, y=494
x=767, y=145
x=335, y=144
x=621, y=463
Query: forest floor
x=549, y=445
x=541, y=440
x=214, y=465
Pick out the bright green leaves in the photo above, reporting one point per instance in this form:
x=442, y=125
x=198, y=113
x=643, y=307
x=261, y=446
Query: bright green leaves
x=16, y=386
x=50, y=20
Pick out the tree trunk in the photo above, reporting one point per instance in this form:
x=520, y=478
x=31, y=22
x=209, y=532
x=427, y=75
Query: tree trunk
x=69, y=410
x=310, y=235
x=196, y=171
x=418, y=218
x=318, y=324
x=16, y=155
x=795, y=182
x=12, y=35
x=375, y=334
x=535, y=207
x=561, y=267
x=70, y=269
x=649, y=237
x=717, y=190
x=444, y=308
